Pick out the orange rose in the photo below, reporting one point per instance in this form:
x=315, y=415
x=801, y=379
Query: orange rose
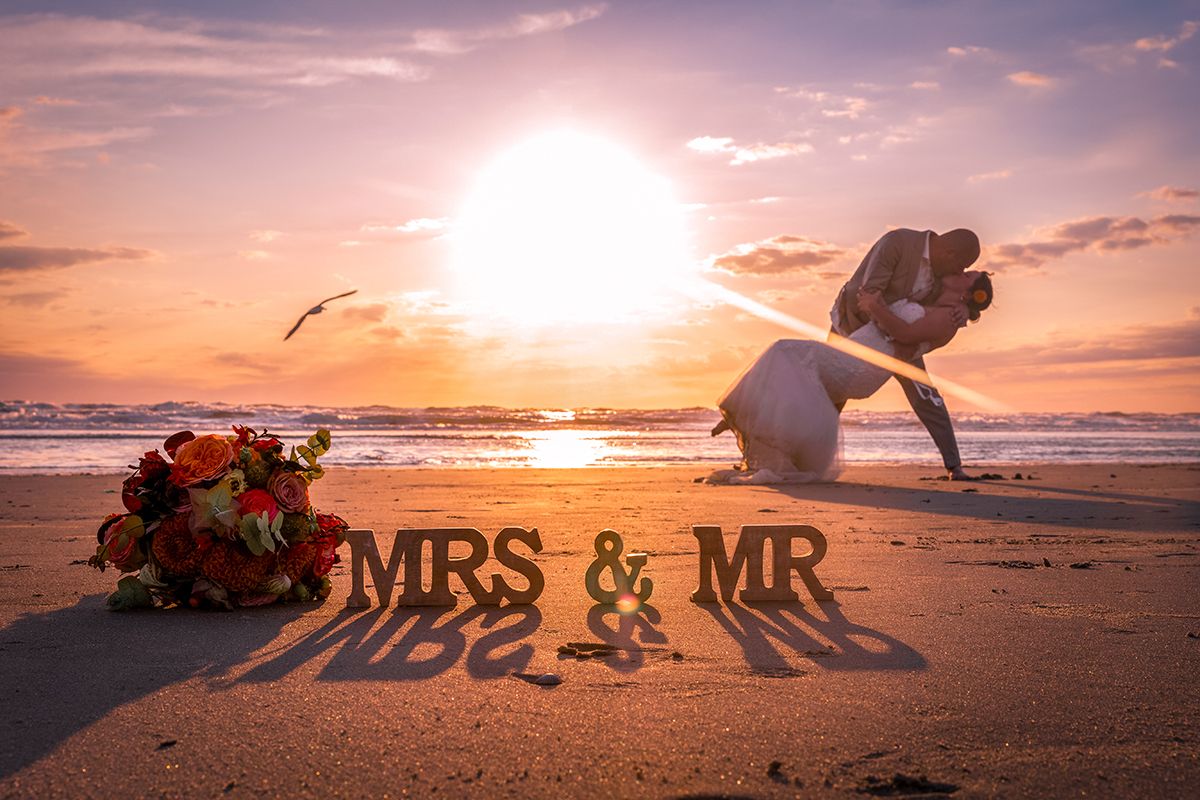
x=202, y=459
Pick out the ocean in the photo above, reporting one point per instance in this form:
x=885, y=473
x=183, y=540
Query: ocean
x=48, y=438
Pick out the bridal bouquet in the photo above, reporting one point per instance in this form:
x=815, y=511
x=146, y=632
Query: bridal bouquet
x=222, y=521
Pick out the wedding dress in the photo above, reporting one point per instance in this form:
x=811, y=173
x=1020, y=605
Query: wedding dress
x=784, y=407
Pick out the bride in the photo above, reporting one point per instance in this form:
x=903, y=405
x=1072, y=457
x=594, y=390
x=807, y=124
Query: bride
x=784, y=407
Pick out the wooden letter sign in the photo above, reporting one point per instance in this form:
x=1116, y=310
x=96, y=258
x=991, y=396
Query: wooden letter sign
x=407, y=548
x=748, y=557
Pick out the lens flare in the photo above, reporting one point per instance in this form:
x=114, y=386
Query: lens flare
x=628, y=604
x=709, y=292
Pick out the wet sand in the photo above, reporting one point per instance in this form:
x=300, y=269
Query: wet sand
x=1007, y=638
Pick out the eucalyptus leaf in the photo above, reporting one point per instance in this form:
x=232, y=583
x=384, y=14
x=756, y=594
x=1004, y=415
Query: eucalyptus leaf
x=320, y=441
x=251, y=535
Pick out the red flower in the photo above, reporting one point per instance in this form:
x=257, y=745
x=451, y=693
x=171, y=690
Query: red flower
x=269, y=443
x=151, y=467
x=331, y=533
x=256, y=501
x=176, y=440
x=244, y=435
x=326, y=557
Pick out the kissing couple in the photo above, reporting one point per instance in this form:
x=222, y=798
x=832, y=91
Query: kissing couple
x=910, y=295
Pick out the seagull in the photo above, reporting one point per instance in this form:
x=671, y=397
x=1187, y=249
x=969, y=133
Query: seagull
x=317, y=309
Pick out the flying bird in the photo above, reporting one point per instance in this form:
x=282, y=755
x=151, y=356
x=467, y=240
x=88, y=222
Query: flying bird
x=317, y=309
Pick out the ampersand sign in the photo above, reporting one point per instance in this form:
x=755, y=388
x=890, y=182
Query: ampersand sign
x=608, y=554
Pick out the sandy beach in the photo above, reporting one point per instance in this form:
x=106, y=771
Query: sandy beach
x=1015, y=638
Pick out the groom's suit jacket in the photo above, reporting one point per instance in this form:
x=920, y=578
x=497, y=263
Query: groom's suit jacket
x=890, y=266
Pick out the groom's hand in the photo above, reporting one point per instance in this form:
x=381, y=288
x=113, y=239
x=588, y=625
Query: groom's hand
x=869, y=301
x=959, y=315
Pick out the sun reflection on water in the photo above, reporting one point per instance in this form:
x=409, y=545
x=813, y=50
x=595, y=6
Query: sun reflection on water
x=567, y=449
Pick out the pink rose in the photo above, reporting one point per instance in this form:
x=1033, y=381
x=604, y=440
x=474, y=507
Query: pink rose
x=290, y=490
x=127, y=555
x=256, y=502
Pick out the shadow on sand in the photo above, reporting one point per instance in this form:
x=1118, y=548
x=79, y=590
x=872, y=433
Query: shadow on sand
x=410, y=644
x=65, y=669
x=633, y=634
x=769, y=632
x=1048, y=505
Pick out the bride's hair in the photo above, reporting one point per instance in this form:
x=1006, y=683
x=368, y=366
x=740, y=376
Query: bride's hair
x=979, y=296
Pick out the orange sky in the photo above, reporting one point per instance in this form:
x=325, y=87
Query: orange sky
x=175, y=190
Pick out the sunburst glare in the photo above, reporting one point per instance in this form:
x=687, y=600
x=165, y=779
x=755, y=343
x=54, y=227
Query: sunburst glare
x=568, y=227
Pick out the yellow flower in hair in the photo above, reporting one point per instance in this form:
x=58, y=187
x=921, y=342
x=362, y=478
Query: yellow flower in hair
x=979, y=296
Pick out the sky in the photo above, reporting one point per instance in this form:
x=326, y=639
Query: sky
x=532, y=199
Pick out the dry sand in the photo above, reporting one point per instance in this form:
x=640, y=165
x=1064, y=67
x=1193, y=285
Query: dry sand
x=952, y=651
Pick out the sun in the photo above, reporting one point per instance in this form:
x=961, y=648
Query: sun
x=569, y=227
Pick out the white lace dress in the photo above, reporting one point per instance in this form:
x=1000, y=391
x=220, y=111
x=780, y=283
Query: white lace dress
x=784, y=407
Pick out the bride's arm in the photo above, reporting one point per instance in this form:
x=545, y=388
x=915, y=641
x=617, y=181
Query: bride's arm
x=937, y=326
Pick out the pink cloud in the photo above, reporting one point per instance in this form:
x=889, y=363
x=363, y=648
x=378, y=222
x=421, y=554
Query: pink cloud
x=1098, y=234
x=9, y=230
x=1171, y=194
x=1033, y=80
x=778, y=255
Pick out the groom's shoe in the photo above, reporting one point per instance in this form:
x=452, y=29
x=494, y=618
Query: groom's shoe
x=958, y=474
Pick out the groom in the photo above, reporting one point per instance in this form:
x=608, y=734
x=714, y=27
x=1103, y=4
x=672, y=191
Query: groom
x=909, y=264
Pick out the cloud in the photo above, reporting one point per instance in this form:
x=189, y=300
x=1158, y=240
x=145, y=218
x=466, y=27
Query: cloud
x=266, y=236
x=22, y=145
x=254, y=255
x=1176, y=339
x=969, y=50
x=928, y=85
x=416, y=225
x=998, y=175
x=9, y=113
x=79, y=47
x=439, y=41
x=750, y=153
x=1111, y=56
x=1033, y=80
x=778, y=255
x=1171, y=194
x=46, y=100
x=1163, y=44
x=26, y=258
x=35, y=299
x=373, y=312
x=1097, y=234
x=9, y=230
x=829, y=104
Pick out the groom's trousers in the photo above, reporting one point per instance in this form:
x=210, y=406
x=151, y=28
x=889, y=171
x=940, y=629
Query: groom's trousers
x=931, y=410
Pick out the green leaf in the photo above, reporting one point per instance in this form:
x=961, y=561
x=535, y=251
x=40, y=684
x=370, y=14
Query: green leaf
x=249, y=529
x=130, y=594
x=315, y=472
x=320, y=441
x=133, y=527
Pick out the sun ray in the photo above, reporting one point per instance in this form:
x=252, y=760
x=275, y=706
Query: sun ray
x=708, y=291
